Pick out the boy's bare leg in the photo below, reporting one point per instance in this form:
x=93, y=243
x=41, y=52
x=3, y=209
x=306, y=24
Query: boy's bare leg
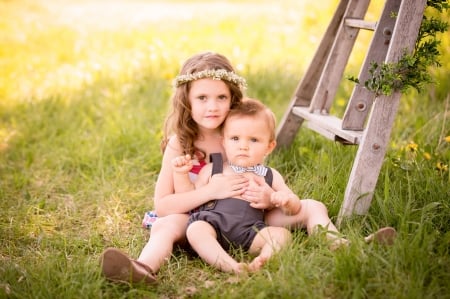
x=267, y=242
x=203, y=239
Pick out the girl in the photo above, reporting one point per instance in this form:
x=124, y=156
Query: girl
x=205, y=90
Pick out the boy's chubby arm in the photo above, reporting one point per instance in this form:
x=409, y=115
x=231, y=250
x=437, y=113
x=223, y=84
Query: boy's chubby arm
x=283, y=197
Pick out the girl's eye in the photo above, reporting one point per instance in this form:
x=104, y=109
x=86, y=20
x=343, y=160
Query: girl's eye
x=202, y=98
x=235, y=138
x=254, y=140
x=223, y=98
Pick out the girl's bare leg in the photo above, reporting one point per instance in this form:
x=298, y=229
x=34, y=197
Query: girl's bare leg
x=165, y=232
x=203, y=239
x=313, y=216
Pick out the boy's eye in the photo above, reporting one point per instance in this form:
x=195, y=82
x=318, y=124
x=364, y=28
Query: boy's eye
x=254, y=140
x=223, y=97
x=202, y=98
x=235, y=138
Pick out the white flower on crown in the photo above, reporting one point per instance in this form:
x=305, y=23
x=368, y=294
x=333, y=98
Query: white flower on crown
x=219, y=74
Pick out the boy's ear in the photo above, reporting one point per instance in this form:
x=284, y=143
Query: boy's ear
x=271, y=146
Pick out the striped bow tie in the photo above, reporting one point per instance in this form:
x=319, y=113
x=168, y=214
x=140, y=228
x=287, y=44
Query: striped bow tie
x=259, y=169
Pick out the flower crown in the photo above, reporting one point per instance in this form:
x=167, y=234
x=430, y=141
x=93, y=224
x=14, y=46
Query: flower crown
x=219, y=74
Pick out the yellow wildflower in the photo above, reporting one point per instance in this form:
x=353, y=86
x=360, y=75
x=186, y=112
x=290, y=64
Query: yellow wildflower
x=447, y=138
x=441, y=166
x=427, y=156
x=412, y=147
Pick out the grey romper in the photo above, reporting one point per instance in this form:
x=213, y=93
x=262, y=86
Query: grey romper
x=236, y=223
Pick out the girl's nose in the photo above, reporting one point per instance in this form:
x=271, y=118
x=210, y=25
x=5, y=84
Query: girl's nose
x=212, y=105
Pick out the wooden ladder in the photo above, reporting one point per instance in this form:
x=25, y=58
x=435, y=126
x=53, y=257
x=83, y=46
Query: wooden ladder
x=367, y=122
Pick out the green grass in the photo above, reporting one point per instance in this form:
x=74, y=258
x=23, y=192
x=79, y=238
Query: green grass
x=84, y=90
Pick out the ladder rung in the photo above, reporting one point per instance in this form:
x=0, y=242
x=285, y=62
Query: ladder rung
x=361, y=24
x=328, y=126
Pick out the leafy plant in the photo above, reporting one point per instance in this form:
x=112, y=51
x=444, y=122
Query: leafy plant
x=411, y=70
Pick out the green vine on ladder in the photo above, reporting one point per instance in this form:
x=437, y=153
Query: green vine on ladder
x=411, y=70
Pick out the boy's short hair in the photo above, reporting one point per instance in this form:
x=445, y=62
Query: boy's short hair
x=252, y=107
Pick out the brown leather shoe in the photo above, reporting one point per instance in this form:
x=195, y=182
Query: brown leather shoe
x=118, y=267
x=384, y=236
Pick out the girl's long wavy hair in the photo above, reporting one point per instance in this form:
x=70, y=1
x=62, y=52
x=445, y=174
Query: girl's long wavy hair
x=179, y=120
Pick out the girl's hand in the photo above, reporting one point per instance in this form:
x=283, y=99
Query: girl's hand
x=182, y=164
x=225, y=186
x=258, y=194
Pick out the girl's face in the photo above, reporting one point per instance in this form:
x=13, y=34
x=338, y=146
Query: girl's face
x=210, y=102
x=246, y=140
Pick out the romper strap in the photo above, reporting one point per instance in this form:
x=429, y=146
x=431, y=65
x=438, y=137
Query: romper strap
x=217, y=167
x=217, y=161
x=269, y=176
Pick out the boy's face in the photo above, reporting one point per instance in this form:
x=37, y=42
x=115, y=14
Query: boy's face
x=246, y=140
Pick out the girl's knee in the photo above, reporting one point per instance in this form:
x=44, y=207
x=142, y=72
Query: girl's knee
x=312, y=206
x=170, y=226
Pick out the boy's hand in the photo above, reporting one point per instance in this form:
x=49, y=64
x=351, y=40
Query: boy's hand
x=258, y=194
x=288, y=202
x=182, y=164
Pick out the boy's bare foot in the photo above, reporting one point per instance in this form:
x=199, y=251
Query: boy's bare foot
x=241, y=269
x=118, y=267
x=384, y=236
x=257, y=263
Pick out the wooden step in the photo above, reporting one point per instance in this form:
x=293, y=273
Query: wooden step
x=327, y=125
x=361, y=24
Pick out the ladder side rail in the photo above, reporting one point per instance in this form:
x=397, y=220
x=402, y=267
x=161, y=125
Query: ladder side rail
x=290, y=123
x=338, y=59
x=361, y=99
x=371, y=151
